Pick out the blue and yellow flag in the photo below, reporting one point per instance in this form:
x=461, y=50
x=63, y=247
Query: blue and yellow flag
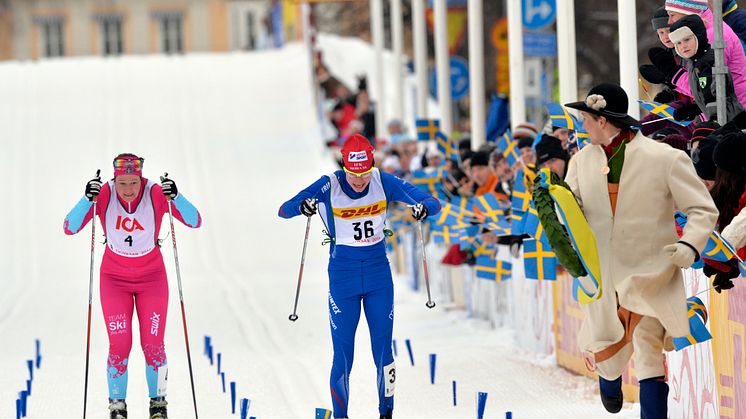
x=518, y=222
x=539, y=261
x=323, y=413
x=582, y=137
x=453, y=213
x=467, y=237
x=519, y=199
x=716, y=248
x=532, y=224
x=448, y=147
x=697, y=330
x=560, y=117
x=500, y=227
x=483, y=249
x=509, y=147
x=428, y=181
x=493, y=269
x=444, y=234
x=662, y=110
x=489, y=206
x=427, y=129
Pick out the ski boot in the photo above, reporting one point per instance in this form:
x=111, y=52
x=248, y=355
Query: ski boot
x=158, y=408
x=117, y=409
x=611, y=394
x=387, y=415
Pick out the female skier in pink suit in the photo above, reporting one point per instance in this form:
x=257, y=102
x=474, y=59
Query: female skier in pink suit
x=130, y=208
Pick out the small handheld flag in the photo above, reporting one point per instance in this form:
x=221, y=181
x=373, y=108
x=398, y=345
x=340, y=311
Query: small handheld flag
x=697, y=330
x=323, y=413
x=427, y=129
x=663, y=110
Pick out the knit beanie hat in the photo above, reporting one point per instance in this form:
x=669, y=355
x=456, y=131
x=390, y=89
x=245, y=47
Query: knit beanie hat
x=688, y=26
x=525, y=142
x=660, y=19
x=704, y=130
x=687, y=7
x=525, y=130
x=702, y=157
x=549, y=147
x=730, y=151
x=480, y=158
x=128, y=164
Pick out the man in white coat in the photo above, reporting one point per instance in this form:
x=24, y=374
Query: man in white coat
x=629, y=187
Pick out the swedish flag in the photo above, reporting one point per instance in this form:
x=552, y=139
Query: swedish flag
x=539, y=261
x=500, y=227
x=509, y=147
x=448, y=147
x=468, y=236
x=532, y=224
x=493, y=269
x=453, y=213
x=483, y=249
x=519, y=199
x=444, y=234
x=560, y=117
x=582, y=137
x=662, y=110
x=489, y=206
x=427, y=129
x=697, y=330
x=428, y=181
x=518, y=222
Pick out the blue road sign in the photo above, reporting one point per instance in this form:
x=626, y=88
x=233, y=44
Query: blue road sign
x=459, y=79
x=540, y=44
x=538, y=14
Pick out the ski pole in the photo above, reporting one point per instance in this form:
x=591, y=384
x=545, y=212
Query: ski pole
x=90, y=299
x=430, y=303
x=293, y=317
x=181, y=299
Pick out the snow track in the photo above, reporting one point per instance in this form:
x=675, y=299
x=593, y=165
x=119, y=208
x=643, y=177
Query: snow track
x=238, y=134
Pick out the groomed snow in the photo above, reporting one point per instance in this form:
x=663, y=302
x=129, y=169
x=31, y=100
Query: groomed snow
x=238, y=134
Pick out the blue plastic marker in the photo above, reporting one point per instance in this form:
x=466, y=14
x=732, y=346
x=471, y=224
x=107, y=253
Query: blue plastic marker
x=28, y=387
x=322, y=413
x=222, y=378
x=393, y=346
x=220, y=360
x=207, y=346
x=210, y=355
x=244, y=408
x=481, y=404
x=30, y=365
x=38, y=353
x=454, y=392
x=508, y=415
x=23, y=396
x=233, y=397
x=433, y=358
x=18, y=409
x=409, y=349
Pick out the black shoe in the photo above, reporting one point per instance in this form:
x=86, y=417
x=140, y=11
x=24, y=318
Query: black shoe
x=386, y=416
x=611, y=394
x=158, y=408
x=117, y=409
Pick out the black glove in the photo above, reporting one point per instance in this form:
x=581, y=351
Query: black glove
x=169, y=188
x=664, y=61
x=93, y=187
x=362, y=83
x=723, y=279
x=651, y=73
x=419, y=212
x=309, y=207
x=665, y=96
x=687, y=112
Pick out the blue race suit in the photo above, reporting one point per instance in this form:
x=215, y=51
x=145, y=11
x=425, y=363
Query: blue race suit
x=358, y=274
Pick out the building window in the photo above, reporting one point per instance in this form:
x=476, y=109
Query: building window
x=53, y=41
x=112, y=39
x=170, y=24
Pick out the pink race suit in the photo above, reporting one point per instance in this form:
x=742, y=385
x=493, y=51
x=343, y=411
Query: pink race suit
x=133, y=276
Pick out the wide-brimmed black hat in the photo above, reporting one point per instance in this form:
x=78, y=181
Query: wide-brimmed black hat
x=608, y=100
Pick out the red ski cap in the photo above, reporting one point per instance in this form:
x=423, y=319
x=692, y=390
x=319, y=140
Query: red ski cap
x=357, y=155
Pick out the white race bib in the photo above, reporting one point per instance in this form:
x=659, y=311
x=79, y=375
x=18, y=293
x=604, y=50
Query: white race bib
x=130, y=235
x=359, y=222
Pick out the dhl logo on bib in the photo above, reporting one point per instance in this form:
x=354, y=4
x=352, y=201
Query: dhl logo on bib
x=357, y=212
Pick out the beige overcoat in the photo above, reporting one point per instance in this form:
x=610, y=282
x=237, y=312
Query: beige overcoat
x=656, y=180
